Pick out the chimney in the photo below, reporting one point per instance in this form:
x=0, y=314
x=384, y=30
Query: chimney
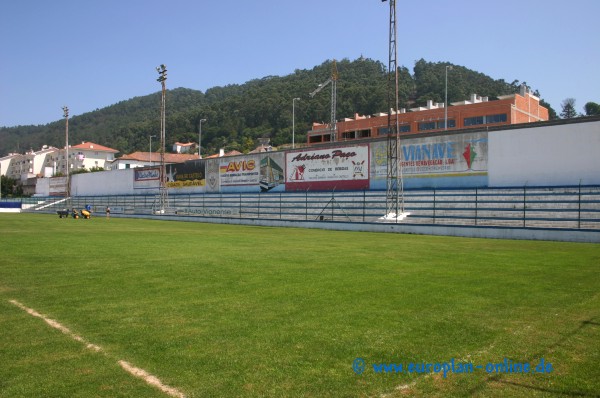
x=221, y=152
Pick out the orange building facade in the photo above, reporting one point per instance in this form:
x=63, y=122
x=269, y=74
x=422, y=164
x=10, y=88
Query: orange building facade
x=473, y=113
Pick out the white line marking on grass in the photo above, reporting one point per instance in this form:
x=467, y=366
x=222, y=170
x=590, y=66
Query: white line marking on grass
x=150, y=379
x=134, y=371
x=58, y=326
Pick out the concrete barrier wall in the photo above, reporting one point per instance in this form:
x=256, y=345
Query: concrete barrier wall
x=567, y=154
x=114, y=182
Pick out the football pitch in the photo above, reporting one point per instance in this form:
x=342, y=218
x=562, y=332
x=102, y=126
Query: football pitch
x=144, y=308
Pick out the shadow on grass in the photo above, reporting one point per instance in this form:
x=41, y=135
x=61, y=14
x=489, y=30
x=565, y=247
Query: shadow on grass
x=497, y=378
x=548, y=390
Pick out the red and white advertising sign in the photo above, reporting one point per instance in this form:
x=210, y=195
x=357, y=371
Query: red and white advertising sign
x=326, y=169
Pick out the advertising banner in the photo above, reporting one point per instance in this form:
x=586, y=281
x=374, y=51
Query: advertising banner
x=188, y=176
x=272, y=174
x=212, y=175
x=146, y=178
x=458, y=160
x=58, y=186
x=239, y=170
x=327, y=169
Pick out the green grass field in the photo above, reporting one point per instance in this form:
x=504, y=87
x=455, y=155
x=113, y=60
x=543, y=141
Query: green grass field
x=221, y=310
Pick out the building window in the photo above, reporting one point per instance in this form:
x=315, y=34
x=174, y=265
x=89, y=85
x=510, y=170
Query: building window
x=474, y=121
x=348, y=135
x=424, y=126
x=404, y=128
x=496, y=118
x=451, y=124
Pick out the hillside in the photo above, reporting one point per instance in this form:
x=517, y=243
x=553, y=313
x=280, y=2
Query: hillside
x=239, y=114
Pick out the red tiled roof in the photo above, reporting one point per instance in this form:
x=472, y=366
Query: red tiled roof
x=94, y=147
x=155, y=157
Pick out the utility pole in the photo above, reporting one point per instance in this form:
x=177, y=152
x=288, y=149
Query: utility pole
x=200, y=138
x=150, y=153
x=448, y=67
x=66, y=116
x=164, y=199
x=294, y=122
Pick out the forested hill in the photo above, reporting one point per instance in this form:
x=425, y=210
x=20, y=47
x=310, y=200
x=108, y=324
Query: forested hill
x=239, y=114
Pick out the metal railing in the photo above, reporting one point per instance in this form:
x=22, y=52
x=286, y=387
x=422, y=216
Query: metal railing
x=527, y=207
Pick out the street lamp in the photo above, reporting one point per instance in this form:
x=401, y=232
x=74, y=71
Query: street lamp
x=200, y=137
x=294, y=122
x=448, y=67
x=66, y=116
x=152, y=136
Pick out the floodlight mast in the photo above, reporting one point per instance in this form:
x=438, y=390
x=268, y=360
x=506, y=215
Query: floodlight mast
x=164, y=198
x=394, y=208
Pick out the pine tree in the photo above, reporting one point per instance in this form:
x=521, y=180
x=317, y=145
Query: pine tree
x=568, y=109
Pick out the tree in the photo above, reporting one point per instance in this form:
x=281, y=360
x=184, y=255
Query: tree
x=551, y=112
x=10, y=187
x=592, y=109
x=568, y=109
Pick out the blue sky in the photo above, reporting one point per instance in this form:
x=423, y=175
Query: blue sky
x=91, y=54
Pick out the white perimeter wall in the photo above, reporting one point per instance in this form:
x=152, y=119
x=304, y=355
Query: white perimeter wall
x=113, y=182
x=554, y=155
x=567, y=154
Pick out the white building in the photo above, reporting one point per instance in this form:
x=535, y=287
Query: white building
x=179, y=147
x=88, y=155
x=23, y=166
x=7, y=164
x=50, y=161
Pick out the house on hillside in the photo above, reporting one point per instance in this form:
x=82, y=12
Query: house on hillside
x=263, y=146
x=88, y=155
x=179, y=147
